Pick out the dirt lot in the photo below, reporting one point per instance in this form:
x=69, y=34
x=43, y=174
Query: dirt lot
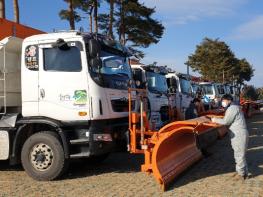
x=120, y=175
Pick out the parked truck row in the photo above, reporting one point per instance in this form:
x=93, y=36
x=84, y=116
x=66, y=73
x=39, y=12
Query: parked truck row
x=65, y=95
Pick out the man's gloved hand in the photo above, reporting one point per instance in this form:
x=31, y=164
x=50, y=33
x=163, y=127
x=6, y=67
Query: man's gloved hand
x=208, y=119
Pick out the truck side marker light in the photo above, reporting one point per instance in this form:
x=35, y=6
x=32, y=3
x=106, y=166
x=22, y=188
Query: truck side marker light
x=82, y=113
x=102, y=137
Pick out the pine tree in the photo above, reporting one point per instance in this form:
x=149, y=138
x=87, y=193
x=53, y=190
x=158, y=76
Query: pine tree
x=90, y=7
x=133, y=23
x=70, y=15
x=111, y=19
x=215, y=61
x=2, y=8
x=16, y=11
x=87, y=6
x=95, y=15
x=244, y=71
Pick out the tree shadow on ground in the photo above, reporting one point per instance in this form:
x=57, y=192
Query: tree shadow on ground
x=122, y=162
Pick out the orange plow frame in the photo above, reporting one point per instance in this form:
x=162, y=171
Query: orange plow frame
x=172, y=149
x=219, y=113
x=249, y=107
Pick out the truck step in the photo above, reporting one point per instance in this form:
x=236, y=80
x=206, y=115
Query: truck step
x=79, y=141
x=79, y=155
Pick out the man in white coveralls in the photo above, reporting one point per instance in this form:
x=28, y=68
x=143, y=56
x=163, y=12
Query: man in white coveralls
x=234, y=118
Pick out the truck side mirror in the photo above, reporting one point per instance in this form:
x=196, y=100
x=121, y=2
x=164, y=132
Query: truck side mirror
x=95, y=63
x=171, y=90
x=173, y=82
x=172, y=85
x=137, y=76
x=94, y=48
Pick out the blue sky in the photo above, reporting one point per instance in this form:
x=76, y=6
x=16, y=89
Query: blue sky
x=237, y=22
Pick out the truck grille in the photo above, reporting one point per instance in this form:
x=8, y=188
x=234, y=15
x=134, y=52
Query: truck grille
x=120, y=105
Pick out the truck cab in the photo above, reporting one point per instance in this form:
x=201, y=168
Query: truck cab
x=213, y=93
x=153, y=79
x=71, y=90
x=184, y=95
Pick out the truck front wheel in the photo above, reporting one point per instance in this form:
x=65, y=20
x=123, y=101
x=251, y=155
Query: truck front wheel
x=43, y=157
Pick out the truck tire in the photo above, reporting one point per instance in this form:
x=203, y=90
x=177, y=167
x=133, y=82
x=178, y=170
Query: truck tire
x=43, y=157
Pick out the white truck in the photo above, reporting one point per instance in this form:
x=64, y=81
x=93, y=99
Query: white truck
x=213, y=93
x=153, y=79
x=184, y=94
x=63, y=96
x=233, y=91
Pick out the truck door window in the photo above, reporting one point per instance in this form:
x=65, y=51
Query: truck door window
x=56, y=59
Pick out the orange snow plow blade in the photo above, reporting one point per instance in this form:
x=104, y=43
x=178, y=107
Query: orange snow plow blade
x=171, y=150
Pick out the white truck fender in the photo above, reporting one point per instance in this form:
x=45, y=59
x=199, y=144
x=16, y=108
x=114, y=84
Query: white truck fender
x=4, y=145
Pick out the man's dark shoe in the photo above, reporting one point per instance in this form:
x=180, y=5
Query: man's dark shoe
x=238, y=177
x=247, y=176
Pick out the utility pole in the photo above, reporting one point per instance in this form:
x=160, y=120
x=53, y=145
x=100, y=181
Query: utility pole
x=223, y=76
x=188, y=72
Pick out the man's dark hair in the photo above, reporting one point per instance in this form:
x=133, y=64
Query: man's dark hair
x=227, y=97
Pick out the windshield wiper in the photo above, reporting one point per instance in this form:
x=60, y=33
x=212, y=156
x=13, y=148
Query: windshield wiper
x=121, y=74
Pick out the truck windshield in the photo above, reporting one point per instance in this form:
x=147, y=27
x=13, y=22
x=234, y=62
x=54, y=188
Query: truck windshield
x=114, y=64
x=195, y=88
x=115, y=72
x=185, y=86
x=207, y=88
x=156, y=82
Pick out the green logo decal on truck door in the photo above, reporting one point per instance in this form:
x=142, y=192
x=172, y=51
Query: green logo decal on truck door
x=80, y=97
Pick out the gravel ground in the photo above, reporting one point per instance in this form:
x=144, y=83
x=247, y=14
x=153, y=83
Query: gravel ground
x=120, y=175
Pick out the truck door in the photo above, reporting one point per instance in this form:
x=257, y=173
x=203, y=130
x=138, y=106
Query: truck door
x=63, y=85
